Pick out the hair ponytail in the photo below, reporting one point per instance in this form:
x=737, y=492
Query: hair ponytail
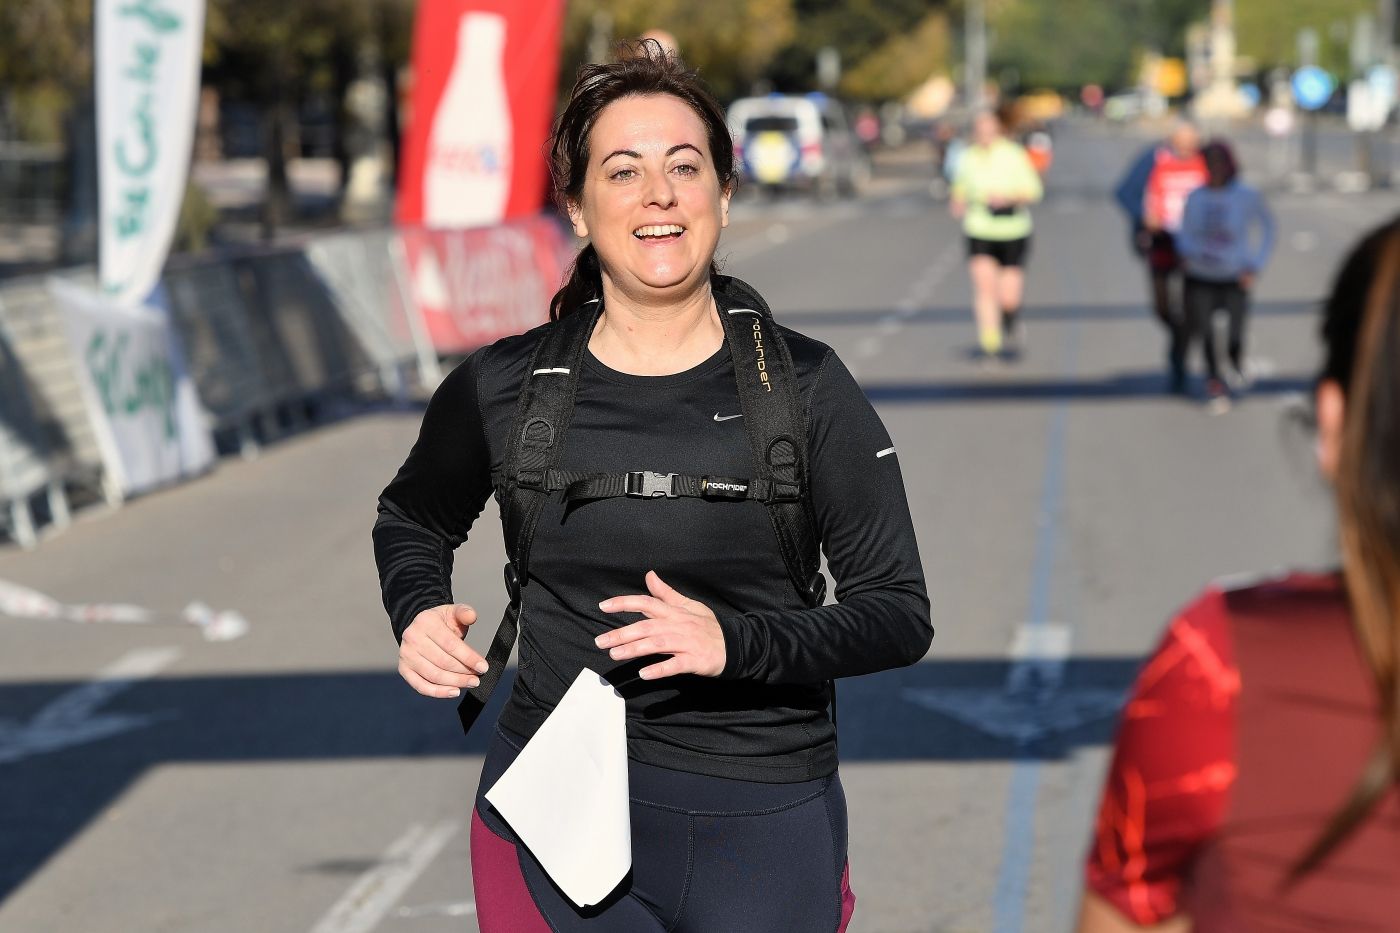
x=585, y=283
x=1362, y=328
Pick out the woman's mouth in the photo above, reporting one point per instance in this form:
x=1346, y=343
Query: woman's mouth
x=659, y=233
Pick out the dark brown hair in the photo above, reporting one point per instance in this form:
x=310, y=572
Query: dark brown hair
x=643, y=69
x=1217, y=150
x=1361, y=328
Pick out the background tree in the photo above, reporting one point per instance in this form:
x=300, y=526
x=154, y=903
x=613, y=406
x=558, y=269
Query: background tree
x=45, y=63
x=1061, y=45
x=861, y=31
x=903, y=61
x=730, y=42
x=1268, y=30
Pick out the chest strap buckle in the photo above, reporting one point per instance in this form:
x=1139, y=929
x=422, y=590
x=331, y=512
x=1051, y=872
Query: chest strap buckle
x=648, y=485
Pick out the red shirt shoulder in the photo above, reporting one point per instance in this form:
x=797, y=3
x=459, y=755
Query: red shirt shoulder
x=1173, y=766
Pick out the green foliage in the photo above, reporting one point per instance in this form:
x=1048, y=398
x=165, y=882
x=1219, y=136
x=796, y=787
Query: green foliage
x=902, y=62
x=730, y=42
x=864, y=33
x=1268, y=29
x=45, y=63
x=1061, y=45
x=198, y=215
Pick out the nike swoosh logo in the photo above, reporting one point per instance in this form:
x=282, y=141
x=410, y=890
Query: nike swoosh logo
x=719, y=417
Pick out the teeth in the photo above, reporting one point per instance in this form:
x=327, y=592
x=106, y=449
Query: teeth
x=658, y=230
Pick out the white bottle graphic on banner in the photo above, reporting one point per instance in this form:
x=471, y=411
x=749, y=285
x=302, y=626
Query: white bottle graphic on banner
x=467, y=177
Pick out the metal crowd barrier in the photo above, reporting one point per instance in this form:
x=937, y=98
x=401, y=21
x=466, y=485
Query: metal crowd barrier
x=271, y=337
x=49, y=438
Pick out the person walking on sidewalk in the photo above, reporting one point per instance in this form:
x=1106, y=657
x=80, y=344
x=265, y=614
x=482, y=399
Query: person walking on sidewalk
x=995, y=185
x=1177, y=170
x=1226, y=236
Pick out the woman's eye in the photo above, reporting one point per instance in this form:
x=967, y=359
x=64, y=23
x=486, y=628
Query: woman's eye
x=685, y=168
x=622, y=174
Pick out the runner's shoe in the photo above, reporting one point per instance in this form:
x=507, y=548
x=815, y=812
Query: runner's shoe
x=1217, y=397
x=1013, y=335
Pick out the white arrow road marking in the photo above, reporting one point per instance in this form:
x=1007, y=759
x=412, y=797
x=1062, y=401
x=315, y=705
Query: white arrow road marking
x=372, y=896
x=21, y=602
x=1031, y=705
x=70, y=720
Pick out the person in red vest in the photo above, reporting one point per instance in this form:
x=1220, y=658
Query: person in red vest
x=1253, y=782
x=1177, y=169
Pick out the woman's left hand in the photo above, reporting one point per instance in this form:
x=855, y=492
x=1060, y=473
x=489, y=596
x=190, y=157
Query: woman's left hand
x=683, y=628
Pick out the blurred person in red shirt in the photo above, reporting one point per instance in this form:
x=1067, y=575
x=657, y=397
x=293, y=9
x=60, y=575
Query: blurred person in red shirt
x=1177, y=169
x=1253, y=783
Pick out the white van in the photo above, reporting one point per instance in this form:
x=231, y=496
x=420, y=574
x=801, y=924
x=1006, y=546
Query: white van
x=787, y=141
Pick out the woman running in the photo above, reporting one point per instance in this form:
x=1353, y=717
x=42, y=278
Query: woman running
x=1253, y=784
x=992, y=192
x=676, y=587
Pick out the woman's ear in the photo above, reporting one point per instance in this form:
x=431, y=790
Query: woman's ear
x=1331, y=407
x=724, y=195
x=576, y=218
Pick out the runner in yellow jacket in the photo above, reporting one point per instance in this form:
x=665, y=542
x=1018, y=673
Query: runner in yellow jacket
x=992, y=192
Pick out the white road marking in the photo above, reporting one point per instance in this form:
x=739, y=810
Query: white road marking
x=1031, y=705
x=72, y=719
x=439, y=909
x=377, y=890
x=1304, y=241
x=20, y=602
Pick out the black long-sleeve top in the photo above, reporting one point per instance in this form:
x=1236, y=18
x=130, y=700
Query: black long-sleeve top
x=764, y=718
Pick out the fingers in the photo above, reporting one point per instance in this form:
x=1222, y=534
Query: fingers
x=647, y=605
x=417, y=682
x=461, y=654
x=642, y=647
x=628, y=633
x=668, y=668
x=432, y=673
x=447, y=657
x=463, y=617
x=663, y=590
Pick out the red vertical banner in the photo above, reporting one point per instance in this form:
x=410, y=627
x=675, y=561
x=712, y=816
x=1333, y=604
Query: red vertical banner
x=484, y=74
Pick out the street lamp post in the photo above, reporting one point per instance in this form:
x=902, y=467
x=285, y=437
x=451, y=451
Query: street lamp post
x=975, y=53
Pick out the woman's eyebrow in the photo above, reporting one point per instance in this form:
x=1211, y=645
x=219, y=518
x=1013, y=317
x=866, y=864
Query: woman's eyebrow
x=637, y=155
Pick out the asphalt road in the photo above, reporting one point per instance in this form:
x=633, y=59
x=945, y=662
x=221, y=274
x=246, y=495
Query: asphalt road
x=288, y=781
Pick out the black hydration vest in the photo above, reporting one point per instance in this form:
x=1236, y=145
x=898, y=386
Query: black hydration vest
x=773, y=419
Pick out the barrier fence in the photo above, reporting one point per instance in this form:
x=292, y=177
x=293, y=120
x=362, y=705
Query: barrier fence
x=271, y=338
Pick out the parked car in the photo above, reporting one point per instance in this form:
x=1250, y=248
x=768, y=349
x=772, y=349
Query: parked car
x=803, y=142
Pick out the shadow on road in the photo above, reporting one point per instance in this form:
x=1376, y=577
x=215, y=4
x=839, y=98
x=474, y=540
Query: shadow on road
x=1035, y=314
x=1119, y=386
x=950, y=710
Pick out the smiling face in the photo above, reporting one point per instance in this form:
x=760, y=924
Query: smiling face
x=652, y=202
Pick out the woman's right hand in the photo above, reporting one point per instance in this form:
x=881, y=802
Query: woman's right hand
x=433, y=656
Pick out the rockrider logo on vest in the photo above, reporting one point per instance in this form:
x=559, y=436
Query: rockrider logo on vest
x=760, y=355
x=707, y=485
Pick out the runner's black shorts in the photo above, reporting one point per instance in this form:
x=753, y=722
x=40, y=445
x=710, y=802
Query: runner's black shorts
x=1009, y=253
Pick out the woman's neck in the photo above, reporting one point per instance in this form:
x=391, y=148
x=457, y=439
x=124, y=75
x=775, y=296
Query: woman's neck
x=656, y=338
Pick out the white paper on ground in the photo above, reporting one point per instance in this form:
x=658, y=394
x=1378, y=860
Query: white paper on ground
x=565, y=795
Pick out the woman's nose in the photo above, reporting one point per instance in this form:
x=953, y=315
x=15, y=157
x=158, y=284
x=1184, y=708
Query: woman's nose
x=659, y=191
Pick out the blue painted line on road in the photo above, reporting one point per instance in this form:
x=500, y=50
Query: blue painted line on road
x=1018, y=827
